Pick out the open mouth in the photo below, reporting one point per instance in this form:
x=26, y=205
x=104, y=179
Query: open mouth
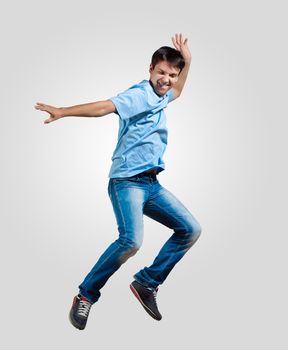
x=162, y=85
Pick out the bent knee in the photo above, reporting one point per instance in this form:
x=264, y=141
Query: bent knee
x=130, y=249
x=133, y=249
x=194, y=232
x=197, y=231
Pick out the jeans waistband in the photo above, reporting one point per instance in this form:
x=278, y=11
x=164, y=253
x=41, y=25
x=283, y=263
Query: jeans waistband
x=151, y=172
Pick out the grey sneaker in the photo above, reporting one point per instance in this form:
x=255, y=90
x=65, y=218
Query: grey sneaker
x=79, y=311
x=147, y=298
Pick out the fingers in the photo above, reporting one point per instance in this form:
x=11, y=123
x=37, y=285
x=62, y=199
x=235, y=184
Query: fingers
x=46, y=108
x=175, y=43
x=39, y=104
x=43, y=107
x=178, y=41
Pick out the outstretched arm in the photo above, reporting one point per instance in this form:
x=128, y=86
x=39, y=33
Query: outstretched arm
x=182, y=46
x=94, y=109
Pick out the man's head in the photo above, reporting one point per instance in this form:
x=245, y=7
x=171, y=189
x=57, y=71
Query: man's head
x=166, y=65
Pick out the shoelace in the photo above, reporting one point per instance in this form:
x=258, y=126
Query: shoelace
x=154, y=293
x=84, y=308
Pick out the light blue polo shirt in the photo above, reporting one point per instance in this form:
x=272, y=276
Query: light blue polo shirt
x=142, y=136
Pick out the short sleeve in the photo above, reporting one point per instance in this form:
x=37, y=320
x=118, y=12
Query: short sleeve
x=131, y=102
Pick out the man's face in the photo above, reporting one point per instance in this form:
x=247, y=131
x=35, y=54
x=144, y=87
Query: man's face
x=163, y=76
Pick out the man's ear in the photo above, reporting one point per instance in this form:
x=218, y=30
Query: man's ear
x=151, y=68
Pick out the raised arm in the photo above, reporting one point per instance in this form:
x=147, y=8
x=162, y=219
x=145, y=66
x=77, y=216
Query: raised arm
x=182, y=46
x=94, y=109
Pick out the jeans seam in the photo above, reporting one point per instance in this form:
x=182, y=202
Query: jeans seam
x=121, y=212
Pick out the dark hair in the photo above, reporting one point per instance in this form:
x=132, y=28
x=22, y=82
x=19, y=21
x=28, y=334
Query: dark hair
x=166, y=53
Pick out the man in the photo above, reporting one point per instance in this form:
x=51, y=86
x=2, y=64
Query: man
x=133, y=187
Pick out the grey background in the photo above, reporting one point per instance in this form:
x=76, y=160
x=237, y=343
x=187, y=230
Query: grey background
x=226, y=160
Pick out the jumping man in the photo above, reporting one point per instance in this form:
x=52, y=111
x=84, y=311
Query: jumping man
x=133, y=186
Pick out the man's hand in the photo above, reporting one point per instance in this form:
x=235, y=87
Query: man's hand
x=182, y=46
x=55, y=113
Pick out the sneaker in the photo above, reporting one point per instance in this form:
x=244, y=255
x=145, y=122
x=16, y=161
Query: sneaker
x=147, y=298
x=80, y=311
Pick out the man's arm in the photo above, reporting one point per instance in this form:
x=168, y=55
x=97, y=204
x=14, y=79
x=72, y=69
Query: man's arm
x=182, y=46
x=94, y=109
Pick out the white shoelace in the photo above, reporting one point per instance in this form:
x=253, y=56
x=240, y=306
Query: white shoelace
x=84, y=308
x=154, y=295
x=154, y=292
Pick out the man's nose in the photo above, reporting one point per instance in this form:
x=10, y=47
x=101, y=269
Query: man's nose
x=166, y=79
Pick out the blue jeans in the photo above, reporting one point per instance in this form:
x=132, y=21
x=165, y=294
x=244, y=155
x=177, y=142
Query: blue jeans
x=131, y=198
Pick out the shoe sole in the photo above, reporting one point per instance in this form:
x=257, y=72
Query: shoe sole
x=146, y=308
